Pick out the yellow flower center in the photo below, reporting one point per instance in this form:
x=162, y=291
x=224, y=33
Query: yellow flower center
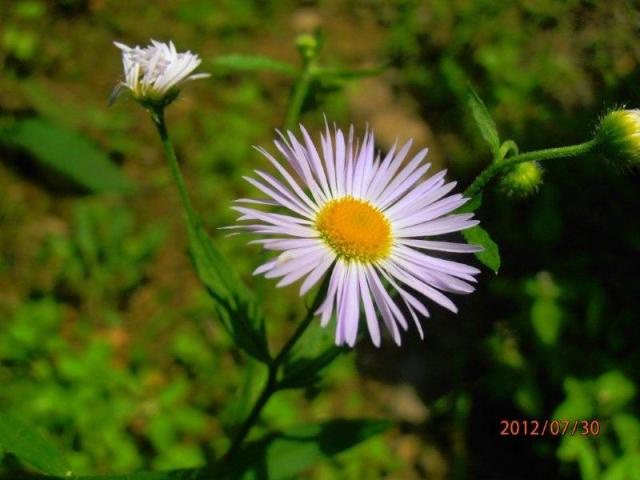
x=355, y=229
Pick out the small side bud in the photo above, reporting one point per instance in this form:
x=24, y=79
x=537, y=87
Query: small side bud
x=522, y=180
x=618, y=137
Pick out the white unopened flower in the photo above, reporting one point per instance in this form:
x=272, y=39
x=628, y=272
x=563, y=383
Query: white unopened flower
x=154, y=74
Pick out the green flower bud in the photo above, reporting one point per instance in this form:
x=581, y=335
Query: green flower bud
x=308, y=46
x=522, y=179
x=618, y=137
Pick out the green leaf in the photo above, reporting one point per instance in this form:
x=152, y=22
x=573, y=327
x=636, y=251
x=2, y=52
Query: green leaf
x=187, y=474
x=275, y=456
x=614, y=391
x=184, y=474
x=490, y=256
x=249, y=63
x=31, y=447
x=579, y=402
x=285, y=455
x=580, y=449
x=66, y=152
x=484, y=121
x=546, y=318
x=627, y=428
x=307, y=371
x=625, y=468
x=235, y=304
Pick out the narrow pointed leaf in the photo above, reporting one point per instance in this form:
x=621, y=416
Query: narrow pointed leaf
x=236, y=306
x=490, y=256
x=485, y=123
x=66, y=152
x=26, y=443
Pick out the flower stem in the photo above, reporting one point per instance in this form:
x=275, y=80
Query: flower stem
x=271, y=385
x=170, y=153
x=300, y=90
x=538, y=155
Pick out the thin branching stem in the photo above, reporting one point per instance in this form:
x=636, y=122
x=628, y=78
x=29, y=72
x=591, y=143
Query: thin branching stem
x=538, y=155
x=271, y=385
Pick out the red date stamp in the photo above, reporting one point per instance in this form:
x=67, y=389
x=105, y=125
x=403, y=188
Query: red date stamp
x=554, y=428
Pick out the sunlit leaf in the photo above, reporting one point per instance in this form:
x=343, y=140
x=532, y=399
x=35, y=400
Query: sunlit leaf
x=275, y=456
x=67, y=153
x=26, y=443
x=248, y=63
x=490, y=256
x=484, y=121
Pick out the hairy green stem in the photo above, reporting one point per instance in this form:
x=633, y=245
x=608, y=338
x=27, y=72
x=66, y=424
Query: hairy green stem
x=300, y=90
x=271, y=385
x=538, y=155
x=170, y=153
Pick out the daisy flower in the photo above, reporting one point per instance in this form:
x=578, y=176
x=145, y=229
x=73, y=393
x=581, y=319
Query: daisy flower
x=372, y=218
x=154, y=73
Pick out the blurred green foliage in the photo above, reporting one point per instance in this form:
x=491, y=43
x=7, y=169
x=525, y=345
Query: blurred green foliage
x=106, y=338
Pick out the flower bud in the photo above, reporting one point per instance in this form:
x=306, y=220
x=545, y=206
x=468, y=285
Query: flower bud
x=522, y=179
x=154, y=74
x=618, y=137
x=307, y=45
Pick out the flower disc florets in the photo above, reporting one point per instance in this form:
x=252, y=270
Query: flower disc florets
x=154, y=74
x=618, y=137
x=355, y=229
